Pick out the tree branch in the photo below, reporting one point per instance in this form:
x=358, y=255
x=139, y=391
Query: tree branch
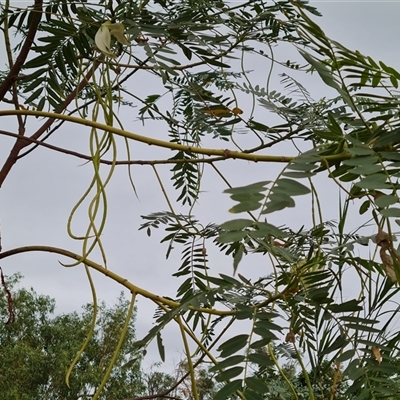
x=22, y=142
x=117, y=162
x=112, y=275
x=226, y=153
x=19, y=62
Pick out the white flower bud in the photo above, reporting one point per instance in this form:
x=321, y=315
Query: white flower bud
x=117, y=30
x=103, y=37
x=103, y=41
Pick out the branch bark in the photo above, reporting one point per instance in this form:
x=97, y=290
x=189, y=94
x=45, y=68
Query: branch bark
x=22, y=142
x=26, y=47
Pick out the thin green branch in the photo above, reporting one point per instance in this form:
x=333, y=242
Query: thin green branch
x=112, y=275
x=226, y=153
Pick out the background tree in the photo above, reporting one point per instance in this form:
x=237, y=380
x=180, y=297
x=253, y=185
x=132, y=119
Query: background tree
x=38, y=346
x=75, y=65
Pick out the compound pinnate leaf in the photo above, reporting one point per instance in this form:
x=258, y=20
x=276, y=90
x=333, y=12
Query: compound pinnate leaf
x=322, y=70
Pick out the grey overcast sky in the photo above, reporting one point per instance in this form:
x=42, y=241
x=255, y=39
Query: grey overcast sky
x=43, y=187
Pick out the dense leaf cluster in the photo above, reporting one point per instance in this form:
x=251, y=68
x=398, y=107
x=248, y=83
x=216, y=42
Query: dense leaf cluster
x=342, y=341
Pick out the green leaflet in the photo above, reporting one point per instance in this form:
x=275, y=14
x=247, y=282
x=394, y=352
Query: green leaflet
x=233, y=345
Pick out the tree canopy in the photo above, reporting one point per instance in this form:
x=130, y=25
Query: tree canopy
x=179, y=68
x=37, y=348
x=38, y=345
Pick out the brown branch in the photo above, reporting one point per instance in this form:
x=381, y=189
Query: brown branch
x=23, y=142
x=117, y=162
x=19, y=62
x=11, y=79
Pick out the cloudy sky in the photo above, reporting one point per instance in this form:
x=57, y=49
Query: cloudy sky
x=42, y=188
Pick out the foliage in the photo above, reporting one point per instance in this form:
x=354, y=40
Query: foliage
x=38, y=346
x=277, y=387
x=204, y=98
